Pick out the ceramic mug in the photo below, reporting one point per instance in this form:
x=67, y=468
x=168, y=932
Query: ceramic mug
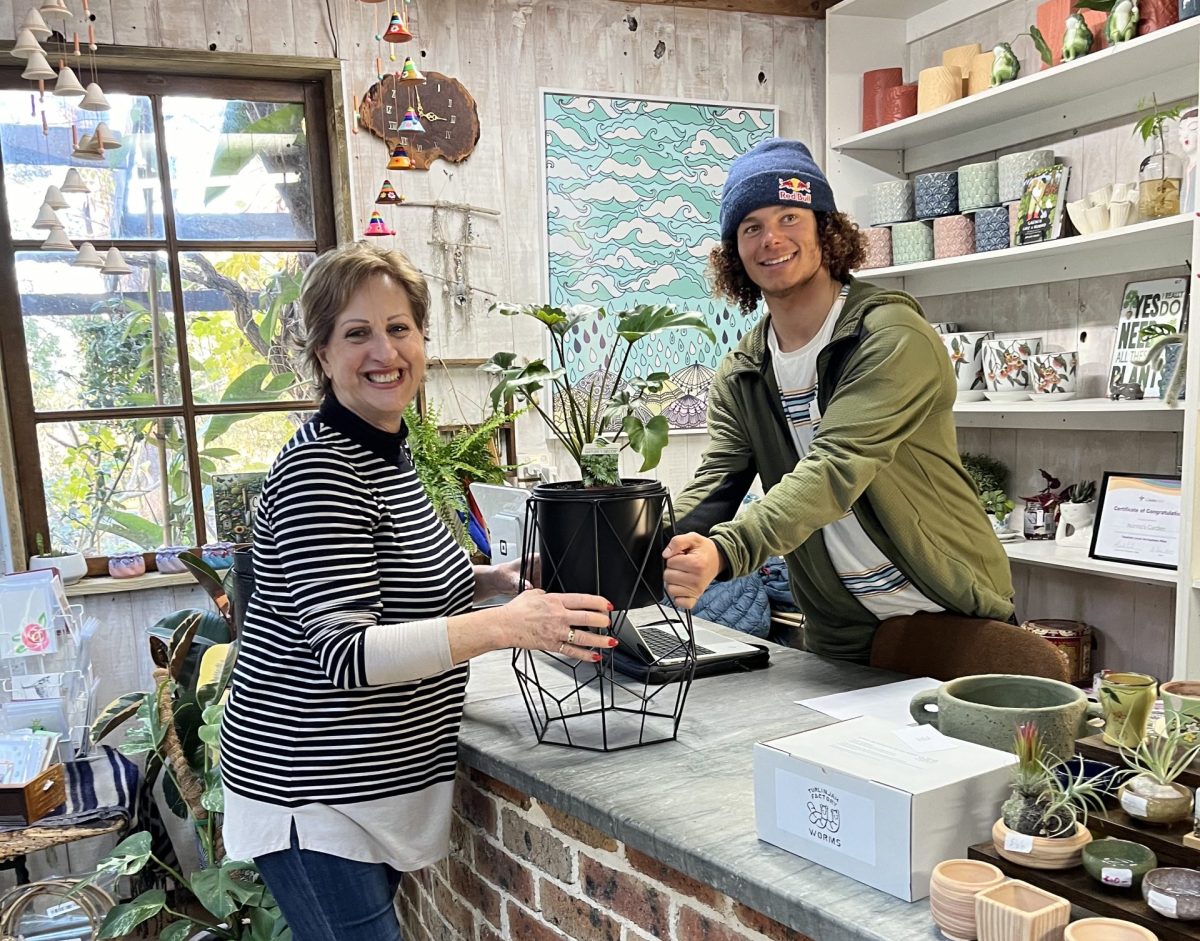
x=966, y=356
x=1006, y=366
x=987, y=709
x=1181, y=704
x=1126, y=699
x=1053, y=373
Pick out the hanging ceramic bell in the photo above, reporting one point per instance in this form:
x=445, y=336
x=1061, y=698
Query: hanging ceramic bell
x=114, y=263
x=410, y=74
x=57, y=241
x=35, y=24
x=411, y=124
x=377, y=226
x=93, y=99
x=88, y=257
x=87, y=149
x=397, y=31
x=105, y=138
x=73, y=183
x=36, y=67
x=54, y=8
x=400, y=159
x=47, y=218
x=67, y=84
x=387, y=194
x=25, y=44
x=55, y=199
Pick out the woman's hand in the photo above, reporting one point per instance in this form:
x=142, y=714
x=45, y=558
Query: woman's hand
x=558, y=623
x=505, y=579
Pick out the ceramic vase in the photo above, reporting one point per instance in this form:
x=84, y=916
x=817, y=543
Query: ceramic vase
x=1006, y=367
x=953, y=236
x=1039, y=852
x=1145, y=799
x=892, y=201
x=912, y=242
x=1052, y=375
x=875, y=83
x=978, y=186
x=1018, y=911
x=1075, y=524
x=936, y=194
x=1126, y=699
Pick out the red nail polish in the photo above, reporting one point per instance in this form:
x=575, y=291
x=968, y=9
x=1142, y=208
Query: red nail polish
x=596, y=658
x=610, y=607
x=612, y=642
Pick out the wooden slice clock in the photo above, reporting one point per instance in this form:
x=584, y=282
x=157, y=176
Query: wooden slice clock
x=446, y=110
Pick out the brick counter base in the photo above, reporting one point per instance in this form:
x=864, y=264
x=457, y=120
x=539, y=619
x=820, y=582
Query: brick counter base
x=519, y=869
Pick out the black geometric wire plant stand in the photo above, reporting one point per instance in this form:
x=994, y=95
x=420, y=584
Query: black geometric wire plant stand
x=593, y=706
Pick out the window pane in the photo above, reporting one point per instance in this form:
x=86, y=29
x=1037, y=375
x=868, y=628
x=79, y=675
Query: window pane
x=235, y=452
x=98, y=341
x=240, y=307
x=239, y=169
x=116, y=485
x=125, y=199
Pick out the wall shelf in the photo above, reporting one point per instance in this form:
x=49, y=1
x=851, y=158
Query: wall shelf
x=1049, y=554
x=1073, y=415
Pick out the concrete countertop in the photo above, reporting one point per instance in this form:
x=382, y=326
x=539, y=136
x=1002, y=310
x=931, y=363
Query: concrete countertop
x=690, y=802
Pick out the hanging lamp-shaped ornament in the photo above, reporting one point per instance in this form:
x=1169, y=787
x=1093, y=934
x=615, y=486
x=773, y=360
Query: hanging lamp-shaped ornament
x=400, y=159
x=88, y=149
x=55, y=198
x=410, y=74
x=67, y=85
x=36, y=67
x=73, y=183
x=377, y=226
x=88, y=257
x=397, y=31
x=47, y=218
x=411, y=124
x=93, y=99
x=25, y=44
x=57, y=241
x=107, y=139
x=54, y=8
x=114, y=263
x=388, y=195
x=35, y=24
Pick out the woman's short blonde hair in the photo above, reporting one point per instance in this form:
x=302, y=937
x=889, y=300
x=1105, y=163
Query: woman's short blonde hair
x=333, y=279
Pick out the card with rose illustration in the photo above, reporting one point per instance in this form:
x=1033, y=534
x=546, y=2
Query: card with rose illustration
x=28, y=609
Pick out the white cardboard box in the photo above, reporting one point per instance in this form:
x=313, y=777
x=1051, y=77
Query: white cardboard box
x=879, y=804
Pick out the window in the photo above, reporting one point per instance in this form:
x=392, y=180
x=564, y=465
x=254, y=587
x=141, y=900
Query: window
x=129, y=393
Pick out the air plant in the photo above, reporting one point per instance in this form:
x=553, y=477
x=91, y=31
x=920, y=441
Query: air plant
x=1048, y=801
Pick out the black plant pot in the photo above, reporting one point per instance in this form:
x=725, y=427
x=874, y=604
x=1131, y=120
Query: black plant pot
x=602, y=541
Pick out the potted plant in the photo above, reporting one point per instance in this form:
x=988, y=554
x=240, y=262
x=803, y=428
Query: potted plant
x=1041, y=509
x=1160, y=175
x=1043, y=824
x=70, y=563
x=177, y=727
x=998, y=507
x=1076, y=515
x=600, y=516
x=987, y=472
x=1152, y=794
x=1170, y=346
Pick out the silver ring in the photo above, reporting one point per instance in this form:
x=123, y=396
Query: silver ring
x=562, y=646
x=571, y=636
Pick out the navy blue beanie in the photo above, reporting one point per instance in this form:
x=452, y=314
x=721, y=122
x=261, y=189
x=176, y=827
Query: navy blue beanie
x=777, y=172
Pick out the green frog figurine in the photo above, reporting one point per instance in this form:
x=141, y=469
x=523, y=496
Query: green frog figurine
x=1121, y=25
x=1005, y=65
x=1078, y=38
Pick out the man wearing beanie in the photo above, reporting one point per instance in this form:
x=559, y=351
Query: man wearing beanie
x=840, y=400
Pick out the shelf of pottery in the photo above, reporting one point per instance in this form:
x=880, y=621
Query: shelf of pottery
x=946, y=173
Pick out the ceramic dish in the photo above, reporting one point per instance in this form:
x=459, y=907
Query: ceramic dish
x=1051, y=396
x=1019, y=395
x=1173, y=892
x=1118, y=864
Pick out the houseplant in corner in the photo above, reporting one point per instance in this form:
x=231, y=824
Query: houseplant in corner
x=600, y=516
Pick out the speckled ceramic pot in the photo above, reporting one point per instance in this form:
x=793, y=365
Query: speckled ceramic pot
x=892, y=202
x=991, y=229
x=936, y=194
x=912, y=242
x=978, y=186
x=1012, y=168
x=878, y=244
x=953, y=236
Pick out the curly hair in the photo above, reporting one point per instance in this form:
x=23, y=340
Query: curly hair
x=842, y=251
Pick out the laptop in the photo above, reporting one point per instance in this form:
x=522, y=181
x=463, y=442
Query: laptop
x=657, y=636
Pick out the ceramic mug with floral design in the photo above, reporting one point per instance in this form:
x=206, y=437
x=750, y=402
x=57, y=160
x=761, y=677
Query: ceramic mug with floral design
x=1006, y=367
x=966, y=356
x=1053, y=374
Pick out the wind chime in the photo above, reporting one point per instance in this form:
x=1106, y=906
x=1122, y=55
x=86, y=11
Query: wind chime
x=91, y=146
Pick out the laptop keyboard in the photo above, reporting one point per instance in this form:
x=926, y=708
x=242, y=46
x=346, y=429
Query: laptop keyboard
x=665, y=644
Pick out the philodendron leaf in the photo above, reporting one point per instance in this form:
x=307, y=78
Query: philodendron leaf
x=648, y=319
x=499, y=362
x=177, y=931
x=122, y=919
x=647, y=439
x=1039, y=42
x=1104, y=6
x=210, y=890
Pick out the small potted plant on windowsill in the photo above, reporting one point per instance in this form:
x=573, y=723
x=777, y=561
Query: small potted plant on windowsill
x=70, y=563
x=999, y=509
x=1152, y=793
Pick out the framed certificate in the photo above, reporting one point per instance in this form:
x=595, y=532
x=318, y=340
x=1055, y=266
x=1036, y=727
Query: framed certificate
x=1137, y=520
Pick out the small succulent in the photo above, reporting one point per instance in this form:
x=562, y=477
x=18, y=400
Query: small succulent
x=1047, y=801
x=1082, y=492
x=1162, y=757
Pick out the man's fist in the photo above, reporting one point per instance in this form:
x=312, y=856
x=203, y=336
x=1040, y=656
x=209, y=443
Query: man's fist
x=693, y=561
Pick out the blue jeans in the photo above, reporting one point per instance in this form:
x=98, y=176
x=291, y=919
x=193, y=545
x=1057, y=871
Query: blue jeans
x=327, y=898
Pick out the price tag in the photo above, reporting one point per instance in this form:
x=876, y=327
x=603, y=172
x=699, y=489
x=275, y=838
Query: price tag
x=55, y=910
x=1018, y=842
x=1133, y=805
x=1163, y=904
x=1121, y=878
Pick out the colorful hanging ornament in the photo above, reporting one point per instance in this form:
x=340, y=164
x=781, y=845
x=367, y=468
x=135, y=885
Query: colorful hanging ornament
x=400, y=159
x=57, y=241
x=25, y=44
x=377, y=226
x=396, y=31
x=67, y=85
x=73, y=183
x=93, y=99
x=37, y=68
x=410, y=74
x=388, y=195
x=410, y=123
x=88, y=257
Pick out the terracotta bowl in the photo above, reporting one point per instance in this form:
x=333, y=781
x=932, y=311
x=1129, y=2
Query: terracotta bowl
x=952, y=890
x=1107, y=929
x=1173, y=892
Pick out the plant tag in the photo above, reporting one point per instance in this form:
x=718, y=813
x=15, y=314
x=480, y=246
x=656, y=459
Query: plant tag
x=1121, y=878
x=1133, y=805
x=601, y=449
x=55, y=910
x=1163, y=904
x=1018, y=842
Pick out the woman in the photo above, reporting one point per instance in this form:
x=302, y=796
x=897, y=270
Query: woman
x=339, y=739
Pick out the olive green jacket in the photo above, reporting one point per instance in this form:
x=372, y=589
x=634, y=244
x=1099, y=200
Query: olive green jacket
x=886, y=449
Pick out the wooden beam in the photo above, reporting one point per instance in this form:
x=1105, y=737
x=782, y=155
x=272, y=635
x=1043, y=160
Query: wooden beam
x=810, y=8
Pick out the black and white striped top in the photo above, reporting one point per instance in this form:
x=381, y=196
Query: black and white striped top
x=344, y=539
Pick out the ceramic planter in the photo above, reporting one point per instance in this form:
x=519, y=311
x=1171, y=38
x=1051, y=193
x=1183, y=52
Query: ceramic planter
x=991, y=229
x=1072, y=638
x=876, y=82
x=878, y=247
x=167, y=561
x=1107, y=929
x=912, y=242
x=1039, y=852
x=71, y=567
x=1118, y=864
x=1126, y=699
x=1181, y=702
x=1145, y=799
x=892, y=201
x=978, y=186
x=1052, y=375
x=1011, y=170
x=966, y=356
x=1173, y=892
x=1018, y=911
x=1188, y=9
x=952, y=890
x=936, y=194
x=126, y=565
x=953, y=236
x=1006, y=367
x=1075, y=525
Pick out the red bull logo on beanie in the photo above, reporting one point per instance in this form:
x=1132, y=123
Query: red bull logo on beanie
x=795, y=190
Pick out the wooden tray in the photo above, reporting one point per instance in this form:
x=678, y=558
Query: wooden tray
x=1078, y=888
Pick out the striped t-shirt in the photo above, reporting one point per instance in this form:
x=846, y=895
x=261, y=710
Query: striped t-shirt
x=344, y=540
x=864, y=570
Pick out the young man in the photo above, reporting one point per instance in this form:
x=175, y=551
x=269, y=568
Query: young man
x=840, y=400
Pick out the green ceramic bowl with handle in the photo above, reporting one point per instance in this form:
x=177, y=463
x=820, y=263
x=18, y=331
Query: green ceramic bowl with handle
x=1118, y=864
